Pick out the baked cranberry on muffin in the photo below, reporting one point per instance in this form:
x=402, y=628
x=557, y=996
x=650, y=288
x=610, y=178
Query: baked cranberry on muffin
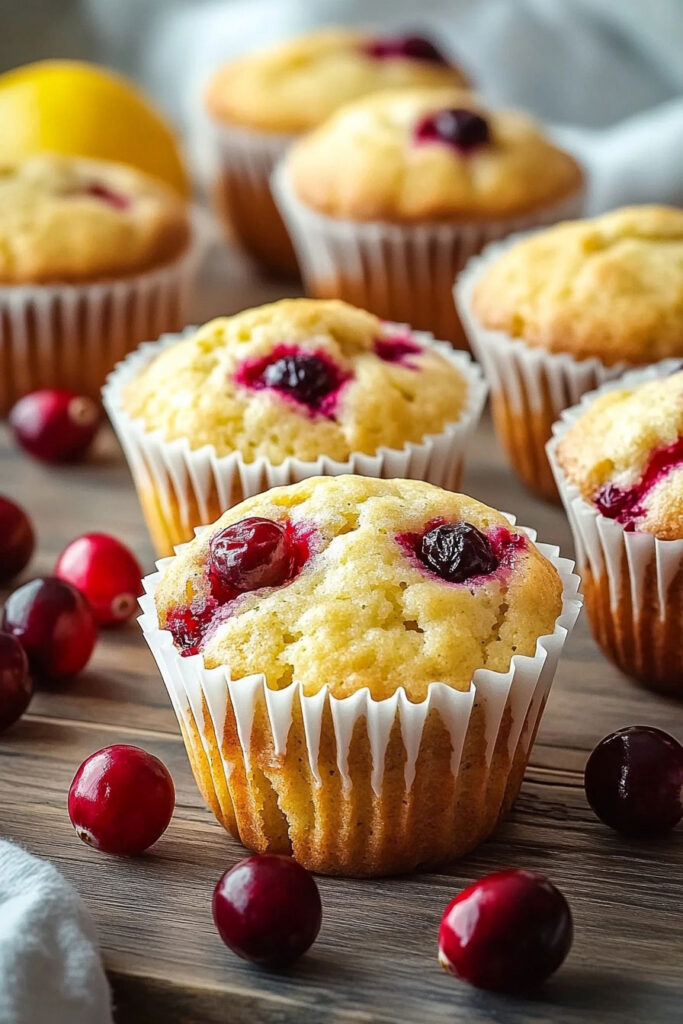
x=355, y=591
x=624, y=456
x=390, y=196
x=260, y=101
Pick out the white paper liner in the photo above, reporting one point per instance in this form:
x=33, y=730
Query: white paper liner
x=523, y=690
x=252, y=154
x=72, y=335
x=600, y=542
x=393, y=260
x=176, y=471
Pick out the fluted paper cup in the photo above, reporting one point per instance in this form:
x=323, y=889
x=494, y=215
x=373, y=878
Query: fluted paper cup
x=355, y=786
x=72, y=335
x=529, y=386
x=632, y=581
x=244, y=162
x=180, y=487
x=398, y=272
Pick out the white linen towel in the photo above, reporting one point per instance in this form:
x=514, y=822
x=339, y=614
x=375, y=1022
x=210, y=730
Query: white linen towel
x=50, y=967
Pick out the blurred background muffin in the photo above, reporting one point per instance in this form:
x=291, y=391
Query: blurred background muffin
x=389, y=197
x=260, y=102
x=555, y=314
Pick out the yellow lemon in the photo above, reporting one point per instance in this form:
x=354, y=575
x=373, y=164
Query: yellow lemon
x=73, y=107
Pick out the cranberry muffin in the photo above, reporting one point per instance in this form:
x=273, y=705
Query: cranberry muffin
x=259, y=102
x=287, y=390
x=619, y=463
x=355, y=642
x=93, y=257
x=559, y=312
x=390, y=196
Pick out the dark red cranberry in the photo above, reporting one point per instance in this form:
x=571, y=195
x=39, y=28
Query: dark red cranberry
x=396, y=350
x=305, y=377
x=457, y=551
x=189, y=626
x=108, y=196
x=121, y=800
x=250, y=554
x=267, y=909
x=16, y=686
x=54, y=624
x=55, y=426
x=625, y=504
x=634, y=781
x=507, y=933
x=463, y=129
x=612, y=501
x=17, y=539
x=411, y=46
x=107, y=572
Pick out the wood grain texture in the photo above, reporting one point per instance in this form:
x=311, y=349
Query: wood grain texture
x=375, y=959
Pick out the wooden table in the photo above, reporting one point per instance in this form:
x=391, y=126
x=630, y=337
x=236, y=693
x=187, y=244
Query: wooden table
x=375, y=959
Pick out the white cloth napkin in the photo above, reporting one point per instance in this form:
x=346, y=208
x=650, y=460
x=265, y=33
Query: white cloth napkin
x=50, y=967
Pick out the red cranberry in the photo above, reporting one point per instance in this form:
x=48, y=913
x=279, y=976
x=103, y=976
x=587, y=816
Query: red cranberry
x=250, y=554
x=305, y=377
x=190, y=625
x=397, y=350
x=507, y=933
x=108, y=196
x=634, y=781
x=17, y=539
x=411, y=46
x=106, y=571
x=463, y=129
x=54, y=624
x=16, y=686
x=55, y=426
x=267, y=909
x=457, y=551
x=121, y=800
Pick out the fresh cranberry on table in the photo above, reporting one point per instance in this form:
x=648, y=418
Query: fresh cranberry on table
x=457, y=127
x=54, y=624
x=507, y=932
x=55, y=426
x=249, y=554
x=16, y=686
x=267, y=909
x=634, y=781
x=457, y=551
x=17, y=539
x=121, y=800
x=413, y=47
x=106, y=572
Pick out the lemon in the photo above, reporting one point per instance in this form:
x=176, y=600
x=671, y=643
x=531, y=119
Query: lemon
x=73, y=107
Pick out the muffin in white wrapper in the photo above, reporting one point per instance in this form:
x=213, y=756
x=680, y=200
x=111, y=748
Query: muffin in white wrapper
x=354, y=785
x=182, y=487
x=529, y=385
x=632, y=579
x=399, y=272
x=243, y=163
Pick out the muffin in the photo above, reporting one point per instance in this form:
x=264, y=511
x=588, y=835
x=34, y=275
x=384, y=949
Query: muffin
x=359, y=666
x=95, y=257
x=282, y=392
x=390, y=196
x=555, y=314
x=260, y=102
x=618, y=460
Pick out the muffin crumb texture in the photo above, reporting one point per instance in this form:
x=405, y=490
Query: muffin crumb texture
x=363, y=610
x=299, y=378
x=71, y=219
x=625, y=454
x=610, y=287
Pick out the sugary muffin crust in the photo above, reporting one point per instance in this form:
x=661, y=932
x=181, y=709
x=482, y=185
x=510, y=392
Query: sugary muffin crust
x=70, y=219
x=293, y=86
x=299, y=378
x=428, y=154
x=625, y=454
x=610, y=287
x=360, y=607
